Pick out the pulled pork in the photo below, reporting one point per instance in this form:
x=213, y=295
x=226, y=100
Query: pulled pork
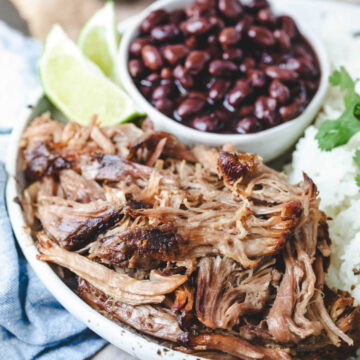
x=206, y=248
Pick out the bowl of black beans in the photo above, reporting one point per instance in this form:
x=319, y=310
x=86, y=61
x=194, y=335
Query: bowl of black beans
x=215, y=71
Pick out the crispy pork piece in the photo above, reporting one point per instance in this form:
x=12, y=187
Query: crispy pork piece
x=234, y=167
x=72, y=224
x=139, y=247
x=155, y=144
x=120, y=286
x=41, y=161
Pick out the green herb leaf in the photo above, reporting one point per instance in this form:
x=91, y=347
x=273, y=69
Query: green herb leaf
x=357, y=179
x=357, y=157
x=341, y=78
x=333, y=133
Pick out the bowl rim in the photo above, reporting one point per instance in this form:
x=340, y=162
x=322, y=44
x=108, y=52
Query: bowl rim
x=131, y=31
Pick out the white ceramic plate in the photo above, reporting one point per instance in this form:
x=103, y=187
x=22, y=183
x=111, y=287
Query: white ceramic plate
x=128, y=340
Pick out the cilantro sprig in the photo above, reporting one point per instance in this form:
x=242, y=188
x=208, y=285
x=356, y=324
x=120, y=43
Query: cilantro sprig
x=333, y=133
x=356, y=159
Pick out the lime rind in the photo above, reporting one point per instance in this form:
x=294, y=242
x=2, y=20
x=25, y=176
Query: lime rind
x=99, y=41
x=77, y=87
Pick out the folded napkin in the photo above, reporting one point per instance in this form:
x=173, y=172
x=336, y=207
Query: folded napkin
x=33, y=325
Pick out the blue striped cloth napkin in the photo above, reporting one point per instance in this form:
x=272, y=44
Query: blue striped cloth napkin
x=33, y=325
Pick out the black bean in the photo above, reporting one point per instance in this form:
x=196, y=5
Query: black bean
x=307, y=67
x=166, y=73
x=283, y=40
x=151, y=57
x=176, y=16
x=247, y=64
x=137, y=45
x=191, y=42
x=257, y=4
x=223, y=116
x=245, y=110
x=279, y=91
x=244, y=24
x=270, y=57
x=175, y=53
x=162, y=91
x=207, y=3
x=276, y=72
x=230, y=8
x=153, y=19
x=212, y=40
x=164, y=33
x=264, y=109
x=266, y=16
x=261, y=36
x=196, y=26
x=289, y=26
x=190, y=107
x=136, y=67
x=222, y=68
x=229, y=36
x=196, y=10
x=165, y=106
x=183, y=77
x=216, y=22
x=233, y=54
x=151, y=80
x=288, y=112
x=196, y=61
x=247, y=125
x=197, y=95
x=204, y=123
x=256, y=78
x=239, y=93
x=218, y=89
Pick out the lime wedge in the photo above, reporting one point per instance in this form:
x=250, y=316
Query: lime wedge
x=77, y=87
x=99, y=41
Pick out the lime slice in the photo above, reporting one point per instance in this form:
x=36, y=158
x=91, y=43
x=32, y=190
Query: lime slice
x=99, y=41
x=77, y=87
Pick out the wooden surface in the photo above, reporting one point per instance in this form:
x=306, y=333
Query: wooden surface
x=71, y=14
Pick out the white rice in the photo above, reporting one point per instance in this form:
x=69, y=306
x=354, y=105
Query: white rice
x=334, y=171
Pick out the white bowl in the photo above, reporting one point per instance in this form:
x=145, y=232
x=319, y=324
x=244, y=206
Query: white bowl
x=268, y=143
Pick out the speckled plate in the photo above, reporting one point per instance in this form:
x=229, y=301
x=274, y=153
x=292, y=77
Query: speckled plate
x=315, y=12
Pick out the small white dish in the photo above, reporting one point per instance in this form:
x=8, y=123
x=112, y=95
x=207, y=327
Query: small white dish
x=268, y=143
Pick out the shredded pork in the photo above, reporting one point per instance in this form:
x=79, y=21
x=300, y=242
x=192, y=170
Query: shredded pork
x=207, y=248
